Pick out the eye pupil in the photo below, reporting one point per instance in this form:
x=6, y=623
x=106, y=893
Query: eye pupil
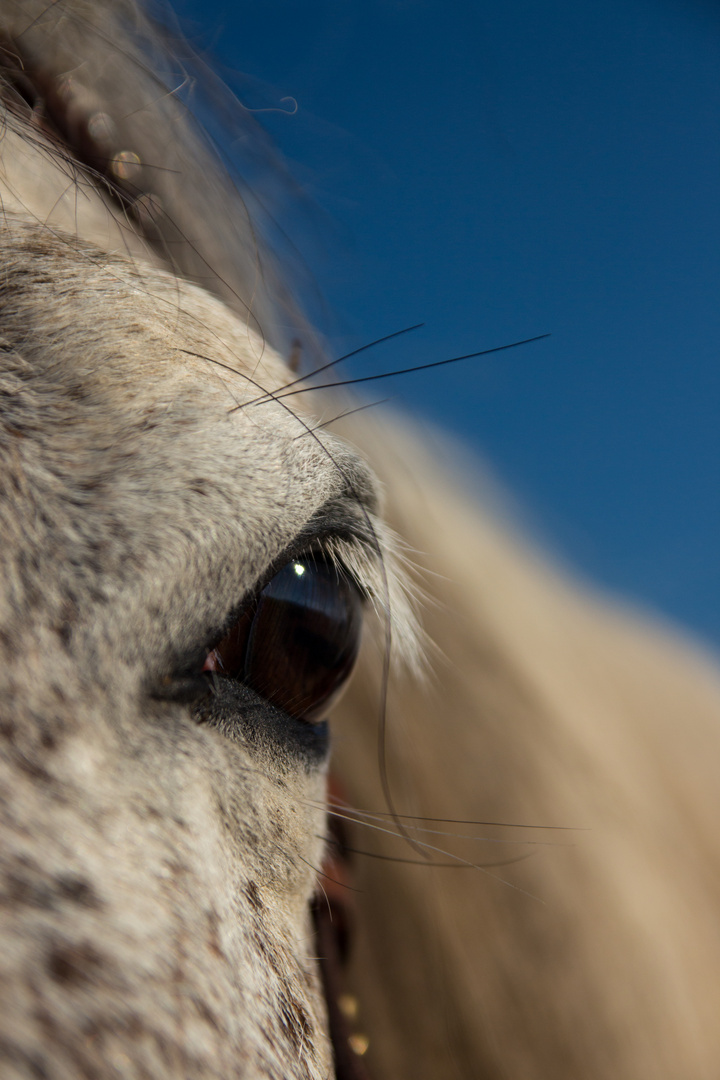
x=297, y=644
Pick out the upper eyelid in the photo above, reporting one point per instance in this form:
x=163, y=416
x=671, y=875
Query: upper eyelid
x=331, y=546
x=341, y=524
x=364, y=551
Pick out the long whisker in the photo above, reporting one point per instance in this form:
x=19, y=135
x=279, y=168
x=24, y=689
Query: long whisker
x=348, y=355
x=422, y=846
x=365, y=818
x=403, y=371
x=341, y=416
x=468, y=839
x=446, y=865
x=380, y=814
x=322, y=874
x=434, y=865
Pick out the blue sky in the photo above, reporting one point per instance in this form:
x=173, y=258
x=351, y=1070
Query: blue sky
x=500, y=171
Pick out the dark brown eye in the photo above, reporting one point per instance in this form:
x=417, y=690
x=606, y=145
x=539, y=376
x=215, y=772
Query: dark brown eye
x=298, y=641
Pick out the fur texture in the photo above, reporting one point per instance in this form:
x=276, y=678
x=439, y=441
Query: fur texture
x=157, y=870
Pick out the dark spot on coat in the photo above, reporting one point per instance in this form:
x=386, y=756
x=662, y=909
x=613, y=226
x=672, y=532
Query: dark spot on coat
x=30, y=1064
x=74, y=964
x=77, y=891
x=253, y=895
x=33, y=769
x=295, y=1021
x=213, y=935
x=28, y=885
x=266, y=951
x=205, y=1013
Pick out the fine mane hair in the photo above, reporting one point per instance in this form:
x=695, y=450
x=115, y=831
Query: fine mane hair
x=522, y=821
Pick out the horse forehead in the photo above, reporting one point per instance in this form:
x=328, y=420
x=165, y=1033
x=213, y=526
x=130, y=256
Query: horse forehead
x=159, y=384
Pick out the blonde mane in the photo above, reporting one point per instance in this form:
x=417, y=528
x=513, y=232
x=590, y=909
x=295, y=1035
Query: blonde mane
x=539, y=899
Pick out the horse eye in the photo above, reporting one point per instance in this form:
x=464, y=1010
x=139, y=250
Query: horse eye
x=298, y=641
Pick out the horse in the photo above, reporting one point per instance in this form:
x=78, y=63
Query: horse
x=512, y=870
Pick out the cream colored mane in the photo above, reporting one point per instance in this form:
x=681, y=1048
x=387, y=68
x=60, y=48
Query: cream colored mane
x=541, y=899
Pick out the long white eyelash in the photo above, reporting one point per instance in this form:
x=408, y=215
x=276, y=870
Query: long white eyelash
x=384, y=578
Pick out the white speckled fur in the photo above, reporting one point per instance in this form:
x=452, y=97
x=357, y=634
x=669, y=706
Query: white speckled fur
x=155, y=875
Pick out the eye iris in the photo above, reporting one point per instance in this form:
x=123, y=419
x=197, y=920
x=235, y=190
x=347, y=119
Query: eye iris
x=297, y=646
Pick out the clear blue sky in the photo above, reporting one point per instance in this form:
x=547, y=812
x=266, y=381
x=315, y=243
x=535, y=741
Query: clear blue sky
x=502, y=170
